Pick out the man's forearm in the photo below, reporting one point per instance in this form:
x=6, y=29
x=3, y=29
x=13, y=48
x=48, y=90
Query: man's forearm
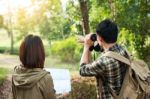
x=86, y=56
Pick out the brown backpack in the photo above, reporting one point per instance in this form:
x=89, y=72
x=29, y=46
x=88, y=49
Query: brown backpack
x=136, y=84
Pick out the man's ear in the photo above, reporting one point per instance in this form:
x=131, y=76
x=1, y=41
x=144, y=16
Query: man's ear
x=100, y=39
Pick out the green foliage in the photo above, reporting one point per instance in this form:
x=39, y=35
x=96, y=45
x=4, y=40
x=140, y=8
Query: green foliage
x=54, y=27
x=3, y=73
x=98, y=12
x=73, y=15
x=131, y=16
x=23, y=24
x=83, y=88
x=68, y=50
x=142, y=46
x=136, y=23
x=52, y=22
x=126, y=38
x=8, y=50
x=133, y=43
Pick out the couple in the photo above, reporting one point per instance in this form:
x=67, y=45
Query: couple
x=30, y=81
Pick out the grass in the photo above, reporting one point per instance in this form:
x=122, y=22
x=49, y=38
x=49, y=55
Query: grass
x=50, y=61
x=54, y=62
x=9, y=61
x=3, y=74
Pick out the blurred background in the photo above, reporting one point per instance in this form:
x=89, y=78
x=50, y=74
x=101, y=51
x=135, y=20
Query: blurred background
x=58, y=22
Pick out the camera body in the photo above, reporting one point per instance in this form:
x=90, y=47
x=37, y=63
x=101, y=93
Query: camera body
x=96, y=46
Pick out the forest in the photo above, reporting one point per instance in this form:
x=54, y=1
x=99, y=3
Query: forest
x=59, y=22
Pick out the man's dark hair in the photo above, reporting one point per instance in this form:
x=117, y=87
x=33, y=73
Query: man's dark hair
x=31, y=52
x=108, y=30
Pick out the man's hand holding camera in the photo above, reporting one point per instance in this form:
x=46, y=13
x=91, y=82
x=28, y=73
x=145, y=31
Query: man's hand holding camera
x=88, y=42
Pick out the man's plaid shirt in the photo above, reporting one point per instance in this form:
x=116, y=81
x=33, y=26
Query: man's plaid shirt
x=112, y=70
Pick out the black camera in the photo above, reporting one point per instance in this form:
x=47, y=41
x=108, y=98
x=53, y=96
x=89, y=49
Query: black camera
x=96, y=46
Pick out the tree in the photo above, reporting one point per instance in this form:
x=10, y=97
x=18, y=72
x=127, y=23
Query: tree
x=73, y=18
x=85, y=16
x=112, y=9
x=136, y=22
x=23, y=23
x=8, y=28
x=50, y=18
x=1, y=21
x=131, y=16
x=144, y=28
x=100, y=9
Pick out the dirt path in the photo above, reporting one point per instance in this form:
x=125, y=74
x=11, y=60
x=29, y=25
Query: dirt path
x=7, y=61
x=5, y=89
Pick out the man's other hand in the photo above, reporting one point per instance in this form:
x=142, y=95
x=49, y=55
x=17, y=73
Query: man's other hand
x=87, y=41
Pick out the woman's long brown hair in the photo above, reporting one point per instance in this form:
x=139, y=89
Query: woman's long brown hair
x=31, y=53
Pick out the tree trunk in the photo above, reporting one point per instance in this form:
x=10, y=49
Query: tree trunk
x=85, y=16
x=8, y=27
x=1, y=21
x=112, y=9
x=12, y=42
x=10, y=33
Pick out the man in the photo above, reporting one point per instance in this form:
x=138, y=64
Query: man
x=109, y=71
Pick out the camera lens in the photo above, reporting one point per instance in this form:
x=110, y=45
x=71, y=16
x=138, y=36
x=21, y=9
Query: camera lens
x=96, y=46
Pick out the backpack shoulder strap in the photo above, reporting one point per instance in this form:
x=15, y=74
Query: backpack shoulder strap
x=120, y=58
x=117, y=57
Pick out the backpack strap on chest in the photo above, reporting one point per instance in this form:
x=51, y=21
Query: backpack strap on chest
x=117, y=57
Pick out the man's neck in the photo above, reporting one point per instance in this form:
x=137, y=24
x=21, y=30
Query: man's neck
x=107, y=46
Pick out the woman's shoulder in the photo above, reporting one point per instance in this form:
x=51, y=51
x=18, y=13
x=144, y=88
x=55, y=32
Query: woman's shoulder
x=48, y=76
x=46, y=81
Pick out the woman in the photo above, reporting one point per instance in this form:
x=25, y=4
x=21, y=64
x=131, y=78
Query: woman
x=29, y=80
